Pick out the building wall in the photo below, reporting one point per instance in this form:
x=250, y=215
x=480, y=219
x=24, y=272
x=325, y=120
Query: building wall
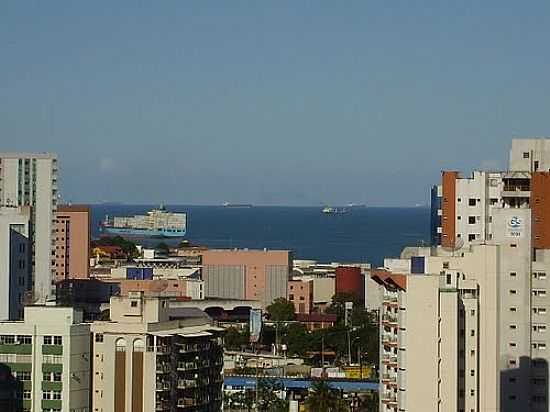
x=15, y=263
x=448, y=207
x=154, y=287
x=300, y=293
x=422, y=307
x=323, y=290
x=72, y=242
x=224, y=281
x=540, y=204
x=265, y=273
x=350, y=280
x=530, y=155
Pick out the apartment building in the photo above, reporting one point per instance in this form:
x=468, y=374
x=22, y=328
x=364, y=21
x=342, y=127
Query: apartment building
x=15, y=260
x=439, y=333
x=260, y=275
x=30, y=179
x=509, y=209
x=300, y=294
x=72, y=242
x=49, y=355
x=143, y=361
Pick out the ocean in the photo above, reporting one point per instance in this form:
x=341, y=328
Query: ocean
x=361, y=235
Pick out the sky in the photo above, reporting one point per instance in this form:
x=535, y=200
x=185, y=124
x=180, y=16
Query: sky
x=272, y=102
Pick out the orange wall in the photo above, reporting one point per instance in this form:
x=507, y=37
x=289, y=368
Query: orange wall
x=540, y=209
x=72, y=242
x=255, y=262
x=448, y=205
x=301, y=294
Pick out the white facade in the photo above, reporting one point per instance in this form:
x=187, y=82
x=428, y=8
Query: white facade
x=28, y=179
x=15, y=263
x=530, y=155
x=51, y=351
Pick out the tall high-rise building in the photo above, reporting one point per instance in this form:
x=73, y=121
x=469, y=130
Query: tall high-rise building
x=72, y=242
x=15, y=264
x=30, y=179
x=507, y=212
x=143, y=361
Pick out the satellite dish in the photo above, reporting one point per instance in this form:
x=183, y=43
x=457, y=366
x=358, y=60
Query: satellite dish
x=456, y=246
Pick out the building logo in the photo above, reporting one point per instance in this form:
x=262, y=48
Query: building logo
x=515, y=226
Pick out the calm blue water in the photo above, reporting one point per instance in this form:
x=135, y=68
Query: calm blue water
x=363, y=234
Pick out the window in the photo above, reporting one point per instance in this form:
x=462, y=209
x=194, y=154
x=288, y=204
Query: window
x=133, y=304
x=56, y=395
x=445, y=265
x=24, y=339
x=99, y=337
x=48, y=340
x=513, y=292
x=472, y=312
x=46, y=395
x=512, y=344
x=513, y=274
x=57, y=340
x=458, y=218
x=471, y=220
x=291, y=297
x=472, y=372
x=302, y=298
x=57, y=376
x=513, y=327
x=26, y=394
x=526, y=155
x=471, y=237
x=536, y=165
x=513, y=309
x=449, y=279
x=493, y=201
x=472, y=332
x=472, y=202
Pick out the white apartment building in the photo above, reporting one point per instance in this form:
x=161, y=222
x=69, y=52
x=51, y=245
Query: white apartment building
x=30, y=179
x=511, y=210
x=439, y=331
x=49, y=352
x=143, y=361
x=15, y=262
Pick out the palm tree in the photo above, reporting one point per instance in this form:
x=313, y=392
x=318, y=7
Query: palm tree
x=323, y=398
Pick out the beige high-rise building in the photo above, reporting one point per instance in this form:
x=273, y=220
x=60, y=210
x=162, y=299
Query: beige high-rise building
x=143, y=361
x=72, y=242
x=480, y=342
x=439, y=331
x=30, y=179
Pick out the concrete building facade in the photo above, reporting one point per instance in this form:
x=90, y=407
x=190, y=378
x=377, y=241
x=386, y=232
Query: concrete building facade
x=143, y=361
x=247, y=274
x=300, y=293
x=29, y=179
x=49, y=352
x=439, y=330
x=72, y=242
x=508, y=209
x=15, y=260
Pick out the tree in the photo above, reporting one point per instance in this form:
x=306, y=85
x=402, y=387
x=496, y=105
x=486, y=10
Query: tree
x=162, y=247
x=268, y=401
x=323, y=398
x=281, y=310
x=235, y=338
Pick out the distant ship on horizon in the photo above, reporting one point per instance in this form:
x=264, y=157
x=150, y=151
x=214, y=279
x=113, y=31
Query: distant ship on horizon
x=238, y=205
x=334, y=210
x=158, y=223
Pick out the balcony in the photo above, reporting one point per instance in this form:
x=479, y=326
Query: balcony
x=389, y=398
x=163, y=368
x=391, y=301
x=162, y=386
x=389, y=339
x=389, y=320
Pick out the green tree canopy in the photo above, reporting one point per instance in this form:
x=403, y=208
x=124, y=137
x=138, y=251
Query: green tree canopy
x=281, y=310
x=323, y=398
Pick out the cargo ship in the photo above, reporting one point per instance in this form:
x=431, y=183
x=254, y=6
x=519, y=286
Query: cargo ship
x=237, y=205
x=333, y=210
x=157, y=223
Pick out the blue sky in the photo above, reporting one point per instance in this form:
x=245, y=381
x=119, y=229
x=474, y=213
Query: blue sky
x=295, y=103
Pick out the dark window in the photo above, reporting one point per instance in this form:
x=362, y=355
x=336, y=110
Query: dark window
x=536, y=165
x=133, y=304
x=471, y=220
x=526, y=155
x=471, y=237
x=472, y=202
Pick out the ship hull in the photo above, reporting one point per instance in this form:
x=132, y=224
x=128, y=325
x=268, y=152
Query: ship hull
x=141, y=233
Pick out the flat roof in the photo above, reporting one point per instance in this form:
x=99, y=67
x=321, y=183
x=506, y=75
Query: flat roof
x=19, y=155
